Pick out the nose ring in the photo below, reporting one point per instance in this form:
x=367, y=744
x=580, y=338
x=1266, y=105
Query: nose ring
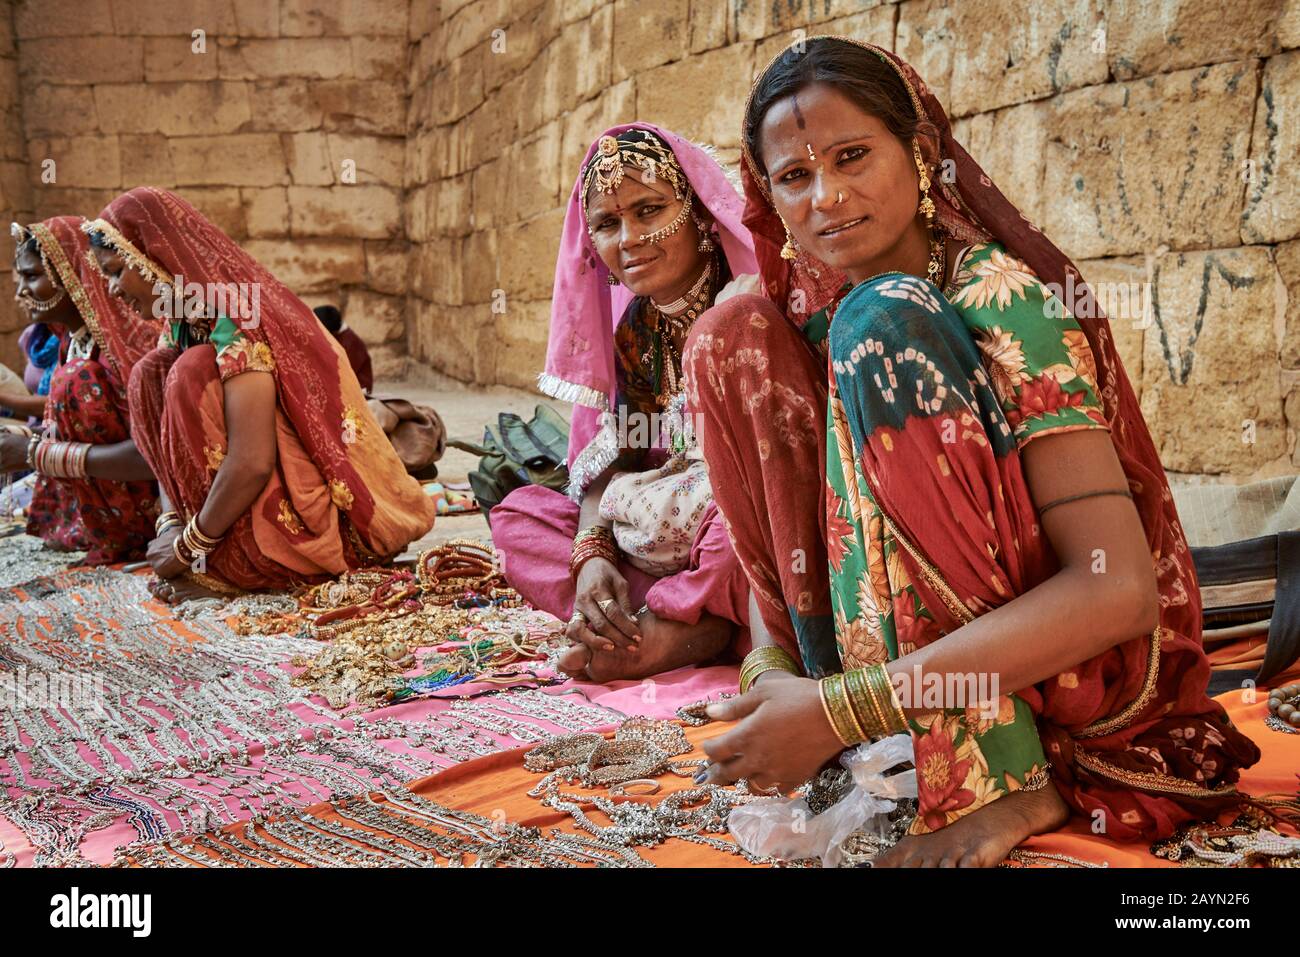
x=839, y=198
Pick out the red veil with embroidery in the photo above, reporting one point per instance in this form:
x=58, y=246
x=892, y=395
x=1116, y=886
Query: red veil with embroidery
x=164, y=237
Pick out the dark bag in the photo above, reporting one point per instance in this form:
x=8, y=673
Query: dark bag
x=1249, y=582
x=418, y=435
x=519, y=453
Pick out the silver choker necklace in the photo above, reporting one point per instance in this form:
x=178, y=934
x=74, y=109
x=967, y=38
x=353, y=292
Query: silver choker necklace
x=678, y=306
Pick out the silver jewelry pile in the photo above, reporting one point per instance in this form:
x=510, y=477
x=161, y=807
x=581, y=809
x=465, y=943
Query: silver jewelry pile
x=193, y=727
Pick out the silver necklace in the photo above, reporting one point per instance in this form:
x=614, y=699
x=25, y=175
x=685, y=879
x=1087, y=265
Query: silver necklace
x=81, y=344
x=692, y=297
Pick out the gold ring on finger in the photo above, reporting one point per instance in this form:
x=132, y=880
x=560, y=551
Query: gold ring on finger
x=604, y=605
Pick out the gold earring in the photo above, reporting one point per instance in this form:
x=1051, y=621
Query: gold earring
x=705, y=244
x=611, y=280
x=926, y=206
x=791, y=249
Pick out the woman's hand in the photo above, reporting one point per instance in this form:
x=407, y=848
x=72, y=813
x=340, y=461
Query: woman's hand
x=23, y=405
x=746, y=284
x=783, y=738
x=162, y=558
x=13, y=451
x=612, y=626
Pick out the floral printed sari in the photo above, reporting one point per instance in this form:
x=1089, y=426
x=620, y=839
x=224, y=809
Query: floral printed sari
x=925, y=519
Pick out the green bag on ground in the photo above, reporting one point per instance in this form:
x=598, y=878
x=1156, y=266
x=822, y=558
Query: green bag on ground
x=518, y=453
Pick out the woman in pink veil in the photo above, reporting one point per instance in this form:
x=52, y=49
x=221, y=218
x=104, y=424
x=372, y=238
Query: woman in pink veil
x=636, y=556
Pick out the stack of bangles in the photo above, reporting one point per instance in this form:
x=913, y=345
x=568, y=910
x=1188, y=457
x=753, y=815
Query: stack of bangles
x=167, y=520
x=65, y=460
x=191, y=544
x=862, y=705
x=764, y=659
x=595, y=541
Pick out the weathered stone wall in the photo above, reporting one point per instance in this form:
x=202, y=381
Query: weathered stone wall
x=255, y=129
x=15, y=194
x=1154, y=140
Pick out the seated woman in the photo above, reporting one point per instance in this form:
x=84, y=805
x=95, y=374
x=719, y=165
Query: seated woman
x=272, y=470
x=43, y=345
x=994, y=508
x=652, y=233
x=353, y=345
x=94, y=490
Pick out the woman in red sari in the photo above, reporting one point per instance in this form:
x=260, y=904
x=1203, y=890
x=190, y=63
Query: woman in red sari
x=989, y=502
x=94, y=491
x=272, y=469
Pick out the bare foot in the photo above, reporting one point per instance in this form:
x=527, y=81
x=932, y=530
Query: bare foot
x=665, y=644
x=982, y=838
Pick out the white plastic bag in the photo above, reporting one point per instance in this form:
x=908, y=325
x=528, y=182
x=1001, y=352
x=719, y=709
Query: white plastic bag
x=785, y=828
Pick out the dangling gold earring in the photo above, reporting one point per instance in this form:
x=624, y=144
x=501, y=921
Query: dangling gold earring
x=611, y=279
x=937, y=266
x=926, y=206
x=791, y=249
x=705, y=244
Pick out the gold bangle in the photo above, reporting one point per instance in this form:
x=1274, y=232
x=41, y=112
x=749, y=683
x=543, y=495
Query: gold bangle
x=846, y=708
x=862, y=702
x=836, y=704
x=891, y=707
x=763, y=659
x=199, y=538
x=826, y=709
x=594, y=531
x=166, y=520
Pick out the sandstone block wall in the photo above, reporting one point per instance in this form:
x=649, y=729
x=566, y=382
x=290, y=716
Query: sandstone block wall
x=15, y=194
x=1154, y=140
x=256, y=126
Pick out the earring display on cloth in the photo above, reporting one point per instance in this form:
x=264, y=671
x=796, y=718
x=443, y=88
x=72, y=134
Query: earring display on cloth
x=791, y=249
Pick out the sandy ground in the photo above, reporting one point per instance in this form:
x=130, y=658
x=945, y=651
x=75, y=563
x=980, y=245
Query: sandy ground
x=466, y=410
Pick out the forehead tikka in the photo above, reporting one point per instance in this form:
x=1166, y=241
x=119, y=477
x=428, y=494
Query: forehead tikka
x=607, y=167
x=811, y=155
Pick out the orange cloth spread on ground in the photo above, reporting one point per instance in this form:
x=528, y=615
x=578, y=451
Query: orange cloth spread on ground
x=498, y=783
x=494, y=789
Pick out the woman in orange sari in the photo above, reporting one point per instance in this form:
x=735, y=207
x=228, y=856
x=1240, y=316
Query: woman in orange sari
x=94, y=490
x=994, y=561
x=272, y=469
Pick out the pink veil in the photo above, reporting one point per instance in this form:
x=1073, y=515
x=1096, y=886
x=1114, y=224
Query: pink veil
x=585, y=309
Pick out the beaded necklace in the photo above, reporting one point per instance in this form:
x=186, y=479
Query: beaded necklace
x=669, y=324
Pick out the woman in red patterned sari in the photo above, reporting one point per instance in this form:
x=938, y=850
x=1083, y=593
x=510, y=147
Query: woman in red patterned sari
x=95, y=491
x=272, y=468
x=989, y=502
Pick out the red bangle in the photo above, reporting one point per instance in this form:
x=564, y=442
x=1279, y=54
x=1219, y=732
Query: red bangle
x=594, y=542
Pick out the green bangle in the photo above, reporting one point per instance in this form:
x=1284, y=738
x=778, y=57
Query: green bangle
x=862, y=700
x=762, y=660
x=891, y=709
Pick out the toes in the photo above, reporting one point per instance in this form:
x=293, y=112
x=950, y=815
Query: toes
x=603, y=667
x=574, y=661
